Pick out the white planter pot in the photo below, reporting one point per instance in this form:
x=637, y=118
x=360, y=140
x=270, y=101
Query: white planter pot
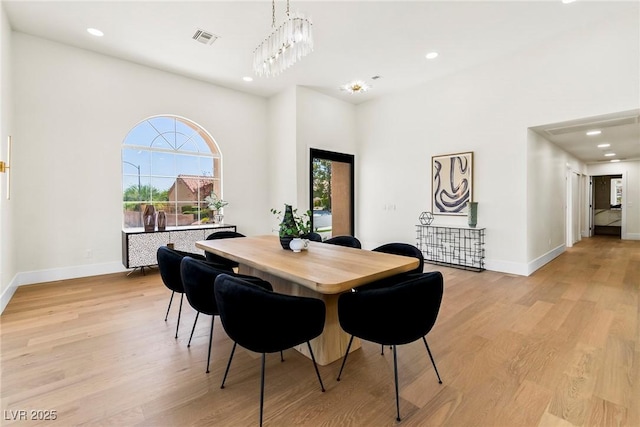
x=297, y=245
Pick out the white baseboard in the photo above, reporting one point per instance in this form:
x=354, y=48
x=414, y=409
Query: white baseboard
x=40, y=276
x=506, y=267
x=544, y=259
x=8, y=293
x=522, y=269
x=632, y=236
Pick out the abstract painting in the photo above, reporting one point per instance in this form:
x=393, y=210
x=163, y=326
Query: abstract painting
x=452, y=183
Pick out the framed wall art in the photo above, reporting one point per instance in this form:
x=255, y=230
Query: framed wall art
x=451, y=183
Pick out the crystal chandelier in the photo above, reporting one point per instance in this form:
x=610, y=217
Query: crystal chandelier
x=356, y=86
x=288, y=43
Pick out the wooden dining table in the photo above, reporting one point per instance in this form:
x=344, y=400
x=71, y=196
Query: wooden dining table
x=321, y=271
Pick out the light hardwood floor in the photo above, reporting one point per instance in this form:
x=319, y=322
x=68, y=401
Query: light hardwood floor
x=558, y=348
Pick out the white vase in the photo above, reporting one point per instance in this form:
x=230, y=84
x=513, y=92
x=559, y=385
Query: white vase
x=297, y=245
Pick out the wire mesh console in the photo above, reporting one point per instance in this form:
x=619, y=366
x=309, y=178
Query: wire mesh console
x=460, y=247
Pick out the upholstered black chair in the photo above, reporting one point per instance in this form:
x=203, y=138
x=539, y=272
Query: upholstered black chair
x=410, y=310
x=169, y=265
x=217, y=258
x=403, y=249
x=348, y=241
x=198, y=279
x=266, y=322
x=314, y=237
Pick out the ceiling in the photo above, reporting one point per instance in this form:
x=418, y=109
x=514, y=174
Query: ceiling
x=352, y=39
x=620, y=130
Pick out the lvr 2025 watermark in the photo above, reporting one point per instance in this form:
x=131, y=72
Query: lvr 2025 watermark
x=30, y=414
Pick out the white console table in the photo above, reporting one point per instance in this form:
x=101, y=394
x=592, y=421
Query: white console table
x=453, y=246
x=139, y=248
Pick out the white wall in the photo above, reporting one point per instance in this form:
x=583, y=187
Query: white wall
x=7, y=260
x=488, y=110
x=73, y=109
x=324, y=123
x=301, y=119
x=630, y=172
x=282, y=152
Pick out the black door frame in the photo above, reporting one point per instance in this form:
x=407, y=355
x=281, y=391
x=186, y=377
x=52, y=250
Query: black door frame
x=315, y=153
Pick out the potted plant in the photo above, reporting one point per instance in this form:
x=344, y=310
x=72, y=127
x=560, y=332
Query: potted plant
x=216, y=204
x=292, y=225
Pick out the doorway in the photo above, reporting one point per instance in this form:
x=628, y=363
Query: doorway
x=332, y=193
x=607, y=205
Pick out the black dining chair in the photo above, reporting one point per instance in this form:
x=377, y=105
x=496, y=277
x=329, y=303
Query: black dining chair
x=276, y=321
x=410, y=310
x=217, y=258
x=169, y=265
x=314, y=237
x=198, y=279
x=348, y=241
x=402, y=249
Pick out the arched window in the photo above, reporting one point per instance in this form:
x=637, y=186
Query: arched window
x=173, y=164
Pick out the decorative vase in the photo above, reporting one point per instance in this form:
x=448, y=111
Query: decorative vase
x=284, y=241
x=149, y=218
x=162, y=221
x=297, y=244
x=472, y=213
x=288, y=223
x=217, y=218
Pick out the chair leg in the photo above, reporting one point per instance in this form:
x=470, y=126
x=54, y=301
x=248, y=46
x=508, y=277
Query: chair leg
x=381, y=349
x=432, y=361
x=281, y=356
x=213, y=318
x=179, y=313
x=228, y=365
x=315, y=365
x=345, y=358
x=169, y=308
x=193, y=329
x=395, y=374
x=262, y=388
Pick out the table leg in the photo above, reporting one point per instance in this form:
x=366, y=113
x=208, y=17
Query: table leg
x=332, y=343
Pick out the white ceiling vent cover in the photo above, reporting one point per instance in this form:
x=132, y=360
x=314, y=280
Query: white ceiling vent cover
x=204, y=37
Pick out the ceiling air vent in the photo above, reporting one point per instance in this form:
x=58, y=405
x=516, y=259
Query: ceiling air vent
x=204, y=37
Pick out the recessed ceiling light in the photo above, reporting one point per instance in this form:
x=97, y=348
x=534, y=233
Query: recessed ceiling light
x=247, y=79
x=604, y=145
x=610, y=154
x=594, y=132
x=568, y=1
x=95, y=32
x=432, y=55
x=614, y=160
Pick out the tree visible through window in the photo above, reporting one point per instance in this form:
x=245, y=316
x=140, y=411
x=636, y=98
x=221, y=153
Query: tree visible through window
x=173, y=164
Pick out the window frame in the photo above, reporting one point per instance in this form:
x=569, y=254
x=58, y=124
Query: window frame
x=192, y=145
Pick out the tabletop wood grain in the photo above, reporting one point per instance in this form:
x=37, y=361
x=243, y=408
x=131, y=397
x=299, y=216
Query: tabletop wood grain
x=324, y=268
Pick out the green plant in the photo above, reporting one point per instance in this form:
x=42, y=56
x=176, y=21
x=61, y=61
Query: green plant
x=215, y=203
x=297, y=225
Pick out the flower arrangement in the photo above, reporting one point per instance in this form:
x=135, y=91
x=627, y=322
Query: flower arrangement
x=292, y=223
x=215, y=203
